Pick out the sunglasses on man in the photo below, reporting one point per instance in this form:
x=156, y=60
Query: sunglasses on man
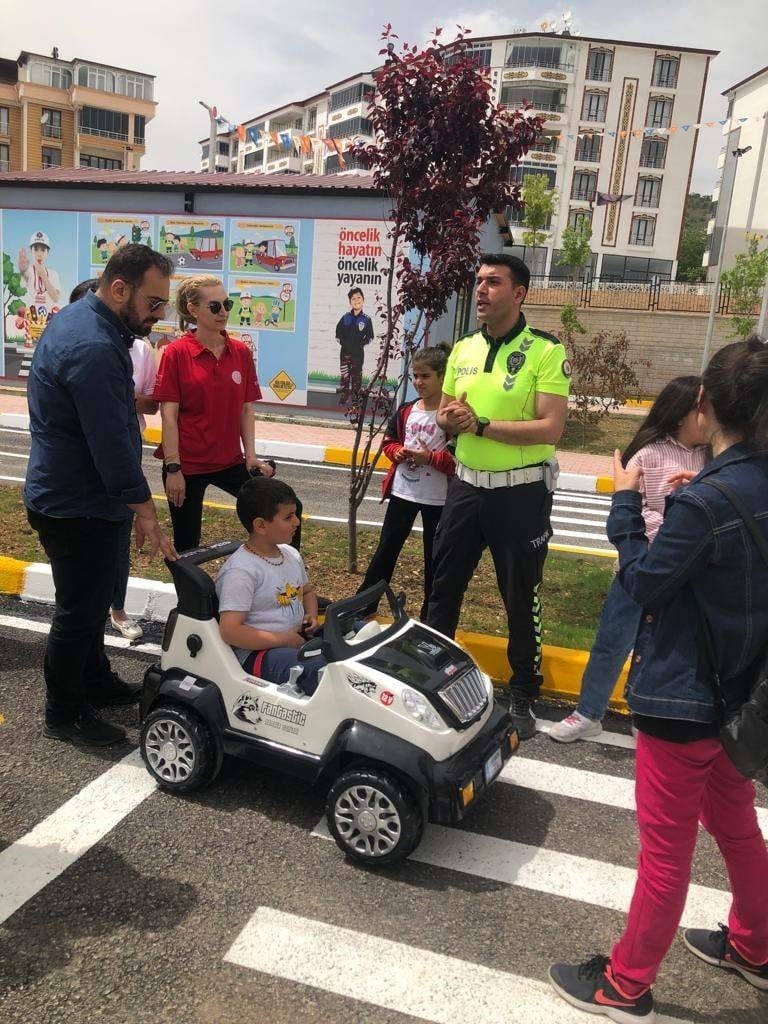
x=215, y=305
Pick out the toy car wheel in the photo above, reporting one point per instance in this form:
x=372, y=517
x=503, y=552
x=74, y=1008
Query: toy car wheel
x=177, y=749
x=373, y=817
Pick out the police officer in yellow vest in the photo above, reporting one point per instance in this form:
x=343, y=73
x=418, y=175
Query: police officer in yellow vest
x=505, y=397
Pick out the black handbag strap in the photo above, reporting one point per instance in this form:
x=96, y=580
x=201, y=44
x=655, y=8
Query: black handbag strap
x=762, y=546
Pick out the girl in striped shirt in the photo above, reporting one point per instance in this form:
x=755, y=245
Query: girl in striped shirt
x=668, y=447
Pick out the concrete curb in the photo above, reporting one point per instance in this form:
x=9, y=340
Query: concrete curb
x=562, y=667
x=333, y=455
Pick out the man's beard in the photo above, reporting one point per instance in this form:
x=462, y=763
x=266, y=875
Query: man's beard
x=139, y=328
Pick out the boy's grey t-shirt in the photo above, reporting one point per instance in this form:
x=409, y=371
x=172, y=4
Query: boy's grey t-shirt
x=270, y=594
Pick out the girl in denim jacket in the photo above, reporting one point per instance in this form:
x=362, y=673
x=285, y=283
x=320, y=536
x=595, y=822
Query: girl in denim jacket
x=702, y=563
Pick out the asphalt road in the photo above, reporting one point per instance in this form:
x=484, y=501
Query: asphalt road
x=577, y=519
x=223, y=907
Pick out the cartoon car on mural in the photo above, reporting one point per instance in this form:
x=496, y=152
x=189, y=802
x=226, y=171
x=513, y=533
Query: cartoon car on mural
x=208, y=246
x=402, y=728
x=272, y=253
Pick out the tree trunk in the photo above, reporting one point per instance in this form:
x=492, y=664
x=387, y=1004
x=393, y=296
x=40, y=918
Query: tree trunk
x=352, y=536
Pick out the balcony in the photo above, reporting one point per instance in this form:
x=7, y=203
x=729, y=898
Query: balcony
x=289, y=164
x=51, y=131
x=550, y=157
x=652, y=162
x=665, y=81
x=100, y=133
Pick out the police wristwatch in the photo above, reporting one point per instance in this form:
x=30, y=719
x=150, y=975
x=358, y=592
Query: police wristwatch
x=173, y=467
x=482, y=423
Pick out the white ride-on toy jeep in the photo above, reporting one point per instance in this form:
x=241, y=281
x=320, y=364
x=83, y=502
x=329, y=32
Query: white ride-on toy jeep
x=401, y=730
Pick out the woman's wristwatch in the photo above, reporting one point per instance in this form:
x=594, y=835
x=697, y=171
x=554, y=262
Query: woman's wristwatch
x=172, y=467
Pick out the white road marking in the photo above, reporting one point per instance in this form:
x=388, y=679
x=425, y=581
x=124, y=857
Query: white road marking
x=14, y=455
x=14, y=479
x=29, y=864
x=34, y=626
x=395, y=976
x=595, y=787
x=567, y=875
x=612, y=739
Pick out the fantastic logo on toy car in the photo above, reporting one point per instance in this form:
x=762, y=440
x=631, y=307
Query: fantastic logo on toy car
x=363, y=685
x=257, y=711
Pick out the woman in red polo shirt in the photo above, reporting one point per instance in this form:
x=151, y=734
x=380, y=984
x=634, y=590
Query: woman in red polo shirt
x=206, y=385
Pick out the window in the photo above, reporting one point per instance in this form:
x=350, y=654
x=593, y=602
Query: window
x=665, y=72
x=594, y=106
x=349, y=96
x=648, y=192
x=4, y=120
x=206, y=151
x=222, y=148
x=542, y=98
x=139, y=129
x=109, y=123
x=634, y=268
x=578, y=217
x=102, y=163
x=50, y=74
x=253, y=160
x=642, y=230
x=348, y=129
x=584, y=185
x=289, y=125
x=659, y=112
x=588, y=149
x=545, y=144
x=540, y=55
x=520, y=172
x=5, y=158
x=599, y=65
x=332, y=164
x=125, y=84
x=51, y=157
x=479, y=53
x=311, y=119
x=50, y=122
x=653, y=153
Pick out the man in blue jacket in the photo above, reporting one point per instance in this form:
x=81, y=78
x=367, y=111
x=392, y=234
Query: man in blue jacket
x=84, y=475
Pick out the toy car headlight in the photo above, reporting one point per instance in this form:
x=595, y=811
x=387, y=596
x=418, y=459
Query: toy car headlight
x=417, y=707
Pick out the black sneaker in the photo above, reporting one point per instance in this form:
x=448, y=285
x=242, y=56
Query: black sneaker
x=717, y=949
x=87, y=728
x=521, y=712
x=590, y=986
x=114, y=692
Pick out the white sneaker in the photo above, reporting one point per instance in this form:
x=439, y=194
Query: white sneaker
x=575, y=727
x=130, y=629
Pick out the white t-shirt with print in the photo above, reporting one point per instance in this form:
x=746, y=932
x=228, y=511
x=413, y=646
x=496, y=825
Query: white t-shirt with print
x=272, y=595
x=144, y=373
x=423, y=484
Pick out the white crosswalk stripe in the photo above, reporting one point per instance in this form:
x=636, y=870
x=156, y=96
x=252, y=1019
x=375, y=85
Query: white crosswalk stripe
x=395, y=976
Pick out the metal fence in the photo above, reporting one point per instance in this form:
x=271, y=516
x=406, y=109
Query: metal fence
x=596, y=293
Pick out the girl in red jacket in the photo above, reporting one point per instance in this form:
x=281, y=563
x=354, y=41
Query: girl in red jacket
x=417, y=480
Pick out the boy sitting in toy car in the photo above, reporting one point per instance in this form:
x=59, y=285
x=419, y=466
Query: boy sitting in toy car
x=267, y=606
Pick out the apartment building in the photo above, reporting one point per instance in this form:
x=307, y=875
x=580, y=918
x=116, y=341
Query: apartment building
x=612, y=111
x=72, y=113
x=741, y=188
x=339, y=112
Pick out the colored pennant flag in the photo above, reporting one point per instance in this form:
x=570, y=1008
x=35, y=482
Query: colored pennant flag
x=328, y=143
x=254, y=135
x=339, y=149
x=285, y=140
x=606, y=198
x=274, y=138
x=241, y=133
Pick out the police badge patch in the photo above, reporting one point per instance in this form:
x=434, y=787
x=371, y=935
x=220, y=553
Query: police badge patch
x=567, y=369
x=515, y=362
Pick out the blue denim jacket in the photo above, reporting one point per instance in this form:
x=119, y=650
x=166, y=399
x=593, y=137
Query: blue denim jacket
x=85, y=458
x=702, y=556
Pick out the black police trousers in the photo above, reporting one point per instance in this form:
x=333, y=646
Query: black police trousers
x=514, y=522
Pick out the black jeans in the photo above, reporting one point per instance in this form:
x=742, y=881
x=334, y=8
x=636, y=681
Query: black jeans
x=514, y=522
x=83, y=554
x=398, y=523
x=187, y=518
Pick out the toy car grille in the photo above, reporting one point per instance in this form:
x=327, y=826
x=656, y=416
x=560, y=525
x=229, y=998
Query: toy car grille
x=466, y=696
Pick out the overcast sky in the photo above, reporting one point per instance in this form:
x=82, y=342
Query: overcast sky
x=249, y=57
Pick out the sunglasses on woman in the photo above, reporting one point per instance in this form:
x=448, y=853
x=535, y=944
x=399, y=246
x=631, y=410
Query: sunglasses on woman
x=215, y=306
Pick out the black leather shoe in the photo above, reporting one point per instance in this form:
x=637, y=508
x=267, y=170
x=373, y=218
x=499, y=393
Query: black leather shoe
x=115, y=693
x=87, y=728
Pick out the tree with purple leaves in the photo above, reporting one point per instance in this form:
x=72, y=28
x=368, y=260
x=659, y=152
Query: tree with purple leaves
x=442, y=153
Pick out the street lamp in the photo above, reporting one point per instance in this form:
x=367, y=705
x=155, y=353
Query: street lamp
x=720, y=252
